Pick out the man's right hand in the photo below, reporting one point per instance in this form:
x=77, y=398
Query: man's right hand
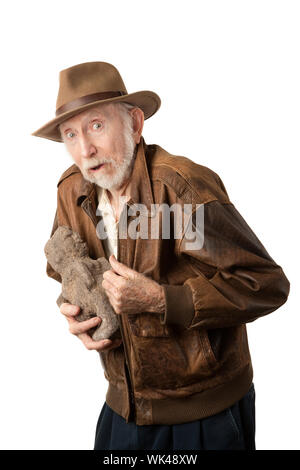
x=80, y=328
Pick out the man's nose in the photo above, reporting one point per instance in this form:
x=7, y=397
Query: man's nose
x=87, y=148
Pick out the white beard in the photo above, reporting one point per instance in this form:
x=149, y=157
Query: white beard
x=122, y=171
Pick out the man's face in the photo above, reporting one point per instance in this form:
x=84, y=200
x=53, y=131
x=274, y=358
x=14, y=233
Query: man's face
x=101, y=143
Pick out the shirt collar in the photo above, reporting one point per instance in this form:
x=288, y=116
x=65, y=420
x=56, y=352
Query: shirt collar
x=104, y=204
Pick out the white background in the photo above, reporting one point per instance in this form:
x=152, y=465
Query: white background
x=228, y=76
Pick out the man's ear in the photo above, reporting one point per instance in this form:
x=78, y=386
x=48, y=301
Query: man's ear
x=137, y=123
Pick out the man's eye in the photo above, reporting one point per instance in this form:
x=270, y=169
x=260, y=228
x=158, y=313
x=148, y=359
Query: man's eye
x=97, y=125
x=70, y=135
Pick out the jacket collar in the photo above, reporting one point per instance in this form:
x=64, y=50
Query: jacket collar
x=140, y=190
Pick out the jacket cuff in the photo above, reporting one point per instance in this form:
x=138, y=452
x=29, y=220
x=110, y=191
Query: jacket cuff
x=179, y=305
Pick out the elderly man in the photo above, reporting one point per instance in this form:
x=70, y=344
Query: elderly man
x=181, y=376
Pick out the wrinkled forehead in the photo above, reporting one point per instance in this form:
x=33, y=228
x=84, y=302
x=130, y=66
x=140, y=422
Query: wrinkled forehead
x=105, y=110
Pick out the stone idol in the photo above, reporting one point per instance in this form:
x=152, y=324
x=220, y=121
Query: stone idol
x=82, y=279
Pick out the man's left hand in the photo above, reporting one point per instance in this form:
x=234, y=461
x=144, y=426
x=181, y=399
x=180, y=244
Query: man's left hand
x=130, y=291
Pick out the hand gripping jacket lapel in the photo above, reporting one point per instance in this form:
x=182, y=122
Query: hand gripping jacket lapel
x=194, y=360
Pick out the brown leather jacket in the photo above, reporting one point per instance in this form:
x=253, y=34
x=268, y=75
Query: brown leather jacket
x=194, y=360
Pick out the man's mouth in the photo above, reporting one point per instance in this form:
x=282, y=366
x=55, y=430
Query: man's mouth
x=96, y=168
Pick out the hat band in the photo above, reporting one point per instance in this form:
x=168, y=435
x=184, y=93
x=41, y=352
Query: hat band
x=88, y=99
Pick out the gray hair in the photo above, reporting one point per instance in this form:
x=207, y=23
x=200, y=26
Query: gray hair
x=127, y=119
x=124, y=109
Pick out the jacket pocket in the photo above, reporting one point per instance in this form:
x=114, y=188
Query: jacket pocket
x=207, y=348
x=170, y=362
x=147, y=324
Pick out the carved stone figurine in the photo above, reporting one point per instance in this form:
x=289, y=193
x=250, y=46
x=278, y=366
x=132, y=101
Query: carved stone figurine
x=82, y=279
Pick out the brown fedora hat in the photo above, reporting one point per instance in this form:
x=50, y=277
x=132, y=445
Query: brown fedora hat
x=85, y=85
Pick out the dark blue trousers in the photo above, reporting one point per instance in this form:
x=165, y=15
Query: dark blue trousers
x=231, y=429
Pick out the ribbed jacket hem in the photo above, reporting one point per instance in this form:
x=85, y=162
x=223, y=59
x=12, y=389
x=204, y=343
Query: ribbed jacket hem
x=182, y=410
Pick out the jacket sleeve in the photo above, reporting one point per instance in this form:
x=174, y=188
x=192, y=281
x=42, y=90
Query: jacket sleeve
x=236, y=281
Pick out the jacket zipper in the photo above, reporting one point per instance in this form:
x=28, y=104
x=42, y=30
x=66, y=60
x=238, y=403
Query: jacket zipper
x=89, y=212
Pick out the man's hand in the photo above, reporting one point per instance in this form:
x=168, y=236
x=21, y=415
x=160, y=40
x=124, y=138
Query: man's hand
x=80, y=329
x=130, y=291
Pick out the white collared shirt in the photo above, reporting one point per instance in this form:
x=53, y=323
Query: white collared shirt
x=110, y=244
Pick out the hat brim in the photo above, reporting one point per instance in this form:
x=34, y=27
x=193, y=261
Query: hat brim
x=148, y=101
